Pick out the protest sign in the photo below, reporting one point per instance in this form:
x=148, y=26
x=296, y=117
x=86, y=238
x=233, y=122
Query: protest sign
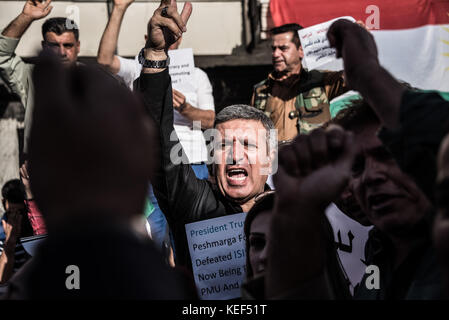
x=316, y=47
x=217, y=250
x=181, y=69
x=350, y=239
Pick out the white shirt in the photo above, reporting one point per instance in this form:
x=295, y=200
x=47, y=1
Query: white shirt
x=192, y=141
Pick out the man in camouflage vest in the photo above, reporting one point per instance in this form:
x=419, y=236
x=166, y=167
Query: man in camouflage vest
x=296, y=100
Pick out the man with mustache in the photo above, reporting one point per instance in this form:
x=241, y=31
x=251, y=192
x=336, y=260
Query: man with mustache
x=297, y=100
x=189, y=106
x=242, y=149
x=400, y=243
x=60, y=35
x=410, y=131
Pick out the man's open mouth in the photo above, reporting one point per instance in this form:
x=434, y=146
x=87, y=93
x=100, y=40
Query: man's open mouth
x=236, y=176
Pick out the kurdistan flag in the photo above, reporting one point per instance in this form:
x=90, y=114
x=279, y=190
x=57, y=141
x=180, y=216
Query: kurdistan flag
x=412, y=36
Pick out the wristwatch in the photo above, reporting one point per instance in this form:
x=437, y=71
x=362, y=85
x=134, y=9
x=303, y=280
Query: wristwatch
x=155, y=64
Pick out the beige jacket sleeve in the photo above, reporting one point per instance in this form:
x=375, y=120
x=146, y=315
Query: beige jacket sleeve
x=13, y=70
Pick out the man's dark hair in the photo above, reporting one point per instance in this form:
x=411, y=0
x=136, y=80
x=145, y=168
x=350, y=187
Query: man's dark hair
x=13, y=192
x=243, y=111
x=60, y=25
x=357, y=115
x=289, y=27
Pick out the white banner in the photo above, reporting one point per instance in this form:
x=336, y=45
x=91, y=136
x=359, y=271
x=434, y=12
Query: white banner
x=350, y=238
x=317, y=51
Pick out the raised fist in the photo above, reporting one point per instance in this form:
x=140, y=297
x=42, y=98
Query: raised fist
x=314, y=169
x=355, y=45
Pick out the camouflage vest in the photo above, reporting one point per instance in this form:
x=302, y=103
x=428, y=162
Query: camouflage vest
x=313, y=109
x=261, y=96
x=311, y=103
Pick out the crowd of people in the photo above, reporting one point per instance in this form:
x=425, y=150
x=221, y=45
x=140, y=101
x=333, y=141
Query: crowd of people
x=100, y=181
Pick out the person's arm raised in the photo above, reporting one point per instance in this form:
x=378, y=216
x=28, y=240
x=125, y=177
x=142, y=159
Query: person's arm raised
x=296, y=263
x=180, y=194
x=108, y=44
x=14, y=71
x=364, y=73
x=165, y=27
x=32, y=10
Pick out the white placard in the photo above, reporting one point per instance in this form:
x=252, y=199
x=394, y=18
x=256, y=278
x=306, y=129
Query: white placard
x=217, y=250
x=350, y=238
x=181, y=69
x=317, y=51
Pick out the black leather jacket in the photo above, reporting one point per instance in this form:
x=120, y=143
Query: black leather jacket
x=182, y=197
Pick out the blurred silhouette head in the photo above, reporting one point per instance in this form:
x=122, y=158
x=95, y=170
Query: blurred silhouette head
x=92, y=146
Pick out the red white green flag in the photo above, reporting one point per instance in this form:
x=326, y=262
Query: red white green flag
x=412, y=36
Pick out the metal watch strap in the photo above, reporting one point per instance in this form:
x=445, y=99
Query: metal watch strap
x=155, y=64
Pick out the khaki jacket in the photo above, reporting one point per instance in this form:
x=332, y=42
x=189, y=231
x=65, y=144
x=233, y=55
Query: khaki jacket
x=18, y=76
x=299, y=103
